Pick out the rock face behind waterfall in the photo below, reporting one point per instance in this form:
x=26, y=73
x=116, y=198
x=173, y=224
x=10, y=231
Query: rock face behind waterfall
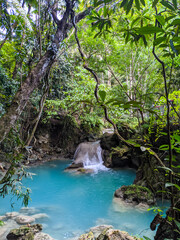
x=88, y=155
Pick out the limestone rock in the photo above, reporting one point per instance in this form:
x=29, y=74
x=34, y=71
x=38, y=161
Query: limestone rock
x=5, y=229
x=2, y=218
x=87, y=236
x=42, y=236
x=109, y=140
x=12, y=214
x=135, y=194
x=21, y=219
x=106, y=232
x=113, y=234
x=99, y=229
x=24, y=232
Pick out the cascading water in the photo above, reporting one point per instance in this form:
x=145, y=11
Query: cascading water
x=90, y=155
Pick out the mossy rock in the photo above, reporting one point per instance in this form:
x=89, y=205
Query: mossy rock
x=87, y=236
x=24, y=232
x=135, y=194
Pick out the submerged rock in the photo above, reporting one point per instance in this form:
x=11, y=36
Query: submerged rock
x=28, y=210
x=135, y=195
x=40, y=216
x=24, y=219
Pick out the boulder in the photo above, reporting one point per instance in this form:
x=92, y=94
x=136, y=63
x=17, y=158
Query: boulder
x=109, y=140
x=2, y=218
x=24, y=232
x=11, y=215
x=97, y=230
x=87, y=236
x=135, y=194
x=42, y=236
x=21, y=219
x=106, y=232
x=113, y=234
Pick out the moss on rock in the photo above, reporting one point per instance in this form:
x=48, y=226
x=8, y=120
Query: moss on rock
x=135, y=194
x=24, y=232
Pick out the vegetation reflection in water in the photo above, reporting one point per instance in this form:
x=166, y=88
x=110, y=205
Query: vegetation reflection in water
x=74, y=203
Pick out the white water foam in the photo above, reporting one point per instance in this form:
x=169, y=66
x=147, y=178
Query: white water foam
x=94, y=162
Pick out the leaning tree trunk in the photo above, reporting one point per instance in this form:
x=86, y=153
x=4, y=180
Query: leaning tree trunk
x=22, y=96
x=32, y=81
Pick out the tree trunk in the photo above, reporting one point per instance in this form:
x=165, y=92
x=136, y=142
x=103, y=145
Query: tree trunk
x=32, y=81
x=22, y=96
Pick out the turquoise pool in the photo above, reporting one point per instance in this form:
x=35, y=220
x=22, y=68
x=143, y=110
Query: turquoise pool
x=74, y=203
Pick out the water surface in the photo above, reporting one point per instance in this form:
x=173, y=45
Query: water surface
x=74, y=203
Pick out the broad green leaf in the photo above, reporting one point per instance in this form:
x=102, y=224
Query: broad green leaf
x=173, y=47
x=176, y=137
x=170, y=17
x=160, y=19
x=102, y=95
x=143, y=2
x=175, y=3
x=159, y=40
x=166, y=4
x=176, y=22
x=124, y=2
x=149, y=30
x=137, y=4
x=155, y=3
x=129, y=6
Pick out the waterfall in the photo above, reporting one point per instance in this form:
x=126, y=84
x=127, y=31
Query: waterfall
x=90, y=155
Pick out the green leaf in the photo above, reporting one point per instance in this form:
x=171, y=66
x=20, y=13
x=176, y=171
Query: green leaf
x=102, y=95
x=129, y=6
x=166, y=169
x=172, y=185
x=155, y=3
x=160, y=19
x=143, y=2
x=164, y=147
x=1, y=223
x=166, y=4
x=133, y=143
x=137, y=4
x=149, y=30
x=144, y=40
x=175, y=3
x=124, y=2
x=146, y=238
x=176, y=22
x=173, y=47
x=159, y=40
